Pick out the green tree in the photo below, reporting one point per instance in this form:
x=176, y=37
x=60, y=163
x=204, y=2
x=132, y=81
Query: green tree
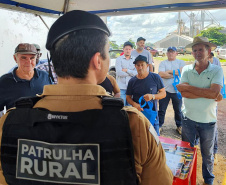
x=214, y=35
x=149, y=44
x=121, y=46
x=134, y=44
x=113, y=45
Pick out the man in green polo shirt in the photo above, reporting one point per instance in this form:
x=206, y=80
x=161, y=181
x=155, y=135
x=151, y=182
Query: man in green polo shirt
x=200, y=86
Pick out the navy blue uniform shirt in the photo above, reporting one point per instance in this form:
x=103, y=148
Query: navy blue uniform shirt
x=149, y=85
x=12, y=87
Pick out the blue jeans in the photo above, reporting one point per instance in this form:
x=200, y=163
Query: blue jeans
x=163, y=104
x=206, y=132
x=215, y=148
x=123, y=96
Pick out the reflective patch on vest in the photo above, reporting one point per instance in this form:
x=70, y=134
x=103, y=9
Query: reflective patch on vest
x=153, y=132
x=55, y=117
x=58, y=163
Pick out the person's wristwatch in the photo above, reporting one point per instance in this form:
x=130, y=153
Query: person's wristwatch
x=153, y=96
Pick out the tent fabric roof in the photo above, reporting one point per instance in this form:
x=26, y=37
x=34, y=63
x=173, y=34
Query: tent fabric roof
x=108, y=7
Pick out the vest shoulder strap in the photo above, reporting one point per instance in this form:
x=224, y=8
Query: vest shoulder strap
x=27, y=102
x=112, y=102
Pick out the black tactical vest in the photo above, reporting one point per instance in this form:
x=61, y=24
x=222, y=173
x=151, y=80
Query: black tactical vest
x=89, y=147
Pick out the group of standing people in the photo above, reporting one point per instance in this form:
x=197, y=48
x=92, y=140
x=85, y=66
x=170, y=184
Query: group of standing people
x=135, y=77
x=99, y=126
x=139, y=156
x=200, y=88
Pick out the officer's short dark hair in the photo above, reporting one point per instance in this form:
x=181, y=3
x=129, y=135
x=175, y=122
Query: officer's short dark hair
x=73, y=39
x=72, y=54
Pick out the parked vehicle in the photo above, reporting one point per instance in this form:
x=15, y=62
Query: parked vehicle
x=219, y=48
x=182, y=50
x=113, y=55
x=222, y=54
x=153, y=51
x=162, y=51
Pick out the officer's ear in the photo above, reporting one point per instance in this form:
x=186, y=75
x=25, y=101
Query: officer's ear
x=96, y=61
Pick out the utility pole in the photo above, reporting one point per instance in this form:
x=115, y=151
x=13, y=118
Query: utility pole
x=202, y=19
x=198, y=24
x=179, y=26
x=192, y=21
x=180, y=23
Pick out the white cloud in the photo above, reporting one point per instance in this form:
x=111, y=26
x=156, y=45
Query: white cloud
x=154, y=26
x=146, y=22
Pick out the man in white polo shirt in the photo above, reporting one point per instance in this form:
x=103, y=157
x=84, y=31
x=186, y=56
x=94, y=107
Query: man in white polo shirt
x=200, y=86
x=166, y=68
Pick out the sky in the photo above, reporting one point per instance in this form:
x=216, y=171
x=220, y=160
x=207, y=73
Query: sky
x=22, y=27
x=154, y=26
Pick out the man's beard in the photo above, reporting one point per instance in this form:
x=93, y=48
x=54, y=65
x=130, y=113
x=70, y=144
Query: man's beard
x=140, y=48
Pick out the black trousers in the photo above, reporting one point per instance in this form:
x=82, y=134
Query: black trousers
x=163, y=104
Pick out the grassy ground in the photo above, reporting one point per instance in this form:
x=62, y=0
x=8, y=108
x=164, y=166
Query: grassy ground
x=222, y=61
x=187, y=58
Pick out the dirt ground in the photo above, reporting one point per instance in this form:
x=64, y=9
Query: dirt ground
x=169, y=130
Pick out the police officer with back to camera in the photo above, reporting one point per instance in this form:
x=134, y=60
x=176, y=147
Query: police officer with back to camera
x=74, y=133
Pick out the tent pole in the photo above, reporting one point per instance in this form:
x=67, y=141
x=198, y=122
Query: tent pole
x=66, y=3
x=43, y=21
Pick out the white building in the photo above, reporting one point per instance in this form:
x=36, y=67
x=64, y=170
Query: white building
x=173, y=40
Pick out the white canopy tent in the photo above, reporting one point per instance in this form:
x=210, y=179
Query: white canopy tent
x=108, y=7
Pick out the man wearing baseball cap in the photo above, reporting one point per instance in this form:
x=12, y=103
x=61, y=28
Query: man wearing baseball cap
x=166, y=68
x=200, y=86
x=141, y=51
x=125, y=69
x=86, y=136
x=24, y=80
x=146, y=84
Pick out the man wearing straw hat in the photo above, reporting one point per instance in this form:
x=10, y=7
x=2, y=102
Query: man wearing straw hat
x=200, y=86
